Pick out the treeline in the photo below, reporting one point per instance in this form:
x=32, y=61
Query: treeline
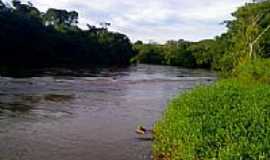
x=29, y=37
x=247, y=38
x=177, y=53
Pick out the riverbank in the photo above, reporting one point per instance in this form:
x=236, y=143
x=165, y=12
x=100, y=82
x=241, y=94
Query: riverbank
x=226, y=120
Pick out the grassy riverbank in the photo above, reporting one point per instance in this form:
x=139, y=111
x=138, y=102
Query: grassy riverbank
x=226, y=120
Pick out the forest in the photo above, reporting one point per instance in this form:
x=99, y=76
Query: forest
x=31, y=38
x=247, y=38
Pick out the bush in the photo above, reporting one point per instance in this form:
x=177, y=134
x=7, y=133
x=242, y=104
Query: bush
x=228, y=120
x=258, y=71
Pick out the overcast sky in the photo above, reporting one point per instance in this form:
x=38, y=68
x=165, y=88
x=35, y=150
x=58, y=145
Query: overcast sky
x=157, y=20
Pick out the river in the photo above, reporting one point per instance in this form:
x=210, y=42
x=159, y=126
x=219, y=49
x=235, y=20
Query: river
x=81, y=115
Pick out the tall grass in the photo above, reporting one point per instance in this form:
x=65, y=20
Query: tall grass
x=228, y=120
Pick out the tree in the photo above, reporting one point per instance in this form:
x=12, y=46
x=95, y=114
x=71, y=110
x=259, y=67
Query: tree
x=30, y=38
x=203, y=52
x=138, y=43
x=260, y=35
x=26, y=9
x=61, y=19
x=246, y=37
x=2, y=5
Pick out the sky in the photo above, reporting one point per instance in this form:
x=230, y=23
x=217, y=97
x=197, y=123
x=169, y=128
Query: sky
x=153, y=20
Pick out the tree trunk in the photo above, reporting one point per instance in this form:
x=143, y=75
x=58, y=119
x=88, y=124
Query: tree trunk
x=251, y=45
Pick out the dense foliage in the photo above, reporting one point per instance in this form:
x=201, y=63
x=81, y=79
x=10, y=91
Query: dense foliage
x=29, y=37
x=257, y=71
x=176, y=53
x=228, y=120
x=247, y=38
x=148, y=53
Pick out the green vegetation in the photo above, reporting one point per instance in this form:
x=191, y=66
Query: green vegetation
x=247, y=38
x=176, y=53
x=32, y=38
x=257, y=71
x=229, y=119
x=149, y=53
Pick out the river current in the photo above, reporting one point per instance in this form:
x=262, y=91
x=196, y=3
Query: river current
x=81, y=115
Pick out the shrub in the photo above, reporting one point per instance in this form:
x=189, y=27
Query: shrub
x=228, y=120
x=258, y=70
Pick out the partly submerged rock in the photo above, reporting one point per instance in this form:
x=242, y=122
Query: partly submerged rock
x=144, y=134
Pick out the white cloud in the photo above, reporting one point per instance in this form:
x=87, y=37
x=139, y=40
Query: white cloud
x=157, y=20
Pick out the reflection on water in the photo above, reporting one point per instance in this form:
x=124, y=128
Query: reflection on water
x=81, y=115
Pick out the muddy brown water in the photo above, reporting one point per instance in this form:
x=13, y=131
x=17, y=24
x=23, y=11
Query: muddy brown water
x=88, y=117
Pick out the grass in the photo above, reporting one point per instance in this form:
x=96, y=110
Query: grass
x=228, y=120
